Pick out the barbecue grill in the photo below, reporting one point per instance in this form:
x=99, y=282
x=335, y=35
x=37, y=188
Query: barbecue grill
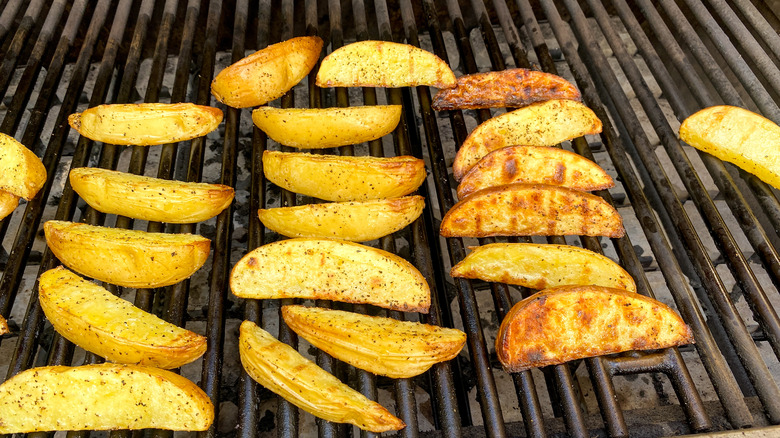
x=702, y=235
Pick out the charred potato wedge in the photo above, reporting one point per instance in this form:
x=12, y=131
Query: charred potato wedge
x=384, y=346
x=383, y=64
x=541, y=124
x=319, y=128
x=102, y=397
x=531, y=210
x=281, y=369
x=512, y=88
x=152, y=199
x=566, y=323
x=542, y=266
x=128, y=258
x=330, y=270
x=268, y=73
x=534, y=164
x=4, y=326
x=21, y=171
x=333, y=178
x=146, y=124
x=8, y=203
x=353, y=221
x=97, y=321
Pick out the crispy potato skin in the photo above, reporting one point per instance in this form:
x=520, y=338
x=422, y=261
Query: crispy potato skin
x=512, y=88
x=21, y=171
x=566, y=323
x=319, y=128
x=8, y=203
x=146, y=124
x=540, y=124
x=537, y=165
x=542, y=266
x=352, y=221
x=268, y=73
x=531, y=210
x=128, y=258
x=330, y=270
x=97, y=321
x=152, y=199
x=383, y=64
x=334, y=178
x=281, y=369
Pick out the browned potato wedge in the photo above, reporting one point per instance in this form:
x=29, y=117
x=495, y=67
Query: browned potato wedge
x=146, y=124
x=21, y=171
x=128, y=258
x=331, y=270
x=572, y=322
x=531, y=210
x=4, y=326
x=542, y=266
x=152, y=199
x=541, y=124
x=353, y=221
x=383, y=64
x=319, y=128
x=334, y=178
x=281, y=369
x=102, y=397
x=97, y=321
x=535, y=164
x=385, y=346
x=268, y=73
x=8, y=203
x=516, y=87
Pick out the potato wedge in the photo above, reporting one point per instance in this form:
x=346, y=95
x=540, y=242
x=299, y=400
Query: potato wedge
x=541, y=124
x=383, y=64
x=573, y=322
x=516, y=87
x=128, y=258
x=21, y=171
x=281, y=369
x=146, y=124
x=330, y=270
x=268, y=73
x=152, y=199
x=4, y=326
x=542, y=266
x=353, y=221
x=97, y=321
x=8, y=203
x=385, y=346
x=534, y=164
x=319, y=128
x=334, y=178
x=102, y=397
x=531, y=210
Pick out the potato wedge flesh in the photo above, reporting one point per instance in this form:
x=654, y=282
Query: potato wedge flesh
x=21, y=171
x=4, y=326
x=8, y=203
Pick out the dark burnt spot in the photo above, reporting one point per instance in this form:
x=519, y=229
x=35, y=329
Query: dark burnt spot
x=510, y=169
x=252, y=262
x=534, y=356
x=558, y=174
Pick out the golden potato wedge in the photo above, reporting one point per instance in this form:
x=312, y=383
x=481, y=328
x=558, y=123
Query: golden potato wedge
x=146, y=124
x=102, y=397
x=330, y=269
x=97, y=321
x=353, y=221
x=21, y=171
x=541, y=124
x=4, y=326
x=152, y=199
x=281, y=369
x=542, y=266
x=383, y=64
x=128, y=258
x=515, y=87
x=531, y=210
x=8, y=203
x=534, y=164
x=738, y=136
x=319, y=128
x=334, y=178
x=385, y=346
x=268, y=73
x=572, y=322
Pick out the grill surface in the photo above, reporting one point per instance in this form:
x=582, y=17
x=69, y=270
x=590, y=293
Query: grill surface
x=702, y=236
